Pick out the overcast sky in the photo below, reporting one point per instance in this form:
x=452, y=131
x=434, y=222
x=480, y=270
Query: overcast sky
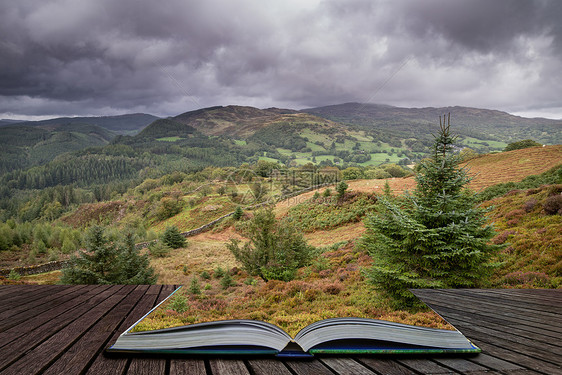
x=106, y=57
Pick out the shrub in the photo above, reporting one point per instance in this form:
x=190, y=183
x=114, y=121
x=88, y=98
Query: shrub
x=275, y=250
x=205, y=275
x=13, y=275
x=194, y=287
x=530, y=205
x=553, y=205
x=238, y=212
x=173, y=238
x=227, y=281
x=341, y=188
x=537, y=279
x=179, y=303
x=158, y=249
x=169, y=207
x=526, y=143
x=219, y=272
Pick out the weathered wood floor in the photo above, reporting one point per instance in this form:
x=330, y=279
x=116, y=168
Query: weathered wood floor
x=64, y=329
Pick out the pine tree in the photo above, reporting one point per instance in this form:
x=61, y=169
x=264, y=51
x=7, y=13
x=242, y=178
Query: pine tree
x=173, y=238
x=94, y=266
x=132, y=267
x=275, y=250
x=106, y=262
x=435, y=238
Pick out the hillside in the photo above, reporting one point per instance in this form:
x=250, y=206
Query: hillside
x=122, y=124
x=484, y=125
x=236, y=121
x=26, y=146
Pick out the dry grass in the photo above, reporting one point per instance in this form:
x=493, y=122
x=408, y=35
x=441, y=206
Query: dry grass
x=513, y=166
x=328, y=237
x=201, y=254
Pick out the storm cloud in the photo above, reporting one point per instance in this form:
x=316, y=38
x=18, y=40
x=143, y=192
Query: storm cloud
x=68, y=57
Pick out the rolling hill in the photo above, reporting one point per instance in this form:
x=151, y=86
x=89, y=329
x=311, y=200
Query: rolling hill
x=26, y=146
x=122, y=124
x=482, y=124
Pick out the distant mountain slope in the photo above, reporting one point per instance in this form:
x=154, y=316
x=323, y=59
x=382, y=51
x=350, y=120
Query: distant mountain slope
x=24, y=146
x=167, y=127
x=240, y=121
x=473, y=122
x=125, y=124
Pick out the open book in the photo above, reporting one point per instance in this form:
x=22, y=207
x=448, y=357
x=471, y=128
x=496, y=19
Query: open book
x=329, y=336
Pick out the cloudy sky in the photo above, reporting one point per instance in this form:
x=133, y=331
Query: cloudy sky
x=106, y=57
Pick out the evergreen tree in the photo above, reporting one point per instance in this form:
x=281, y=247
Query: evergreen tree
x=238, y=213
x=435, y=238
x=105, y=262
x=276, y=249
x=341, y=189
x=173, y=238
x=132, y=267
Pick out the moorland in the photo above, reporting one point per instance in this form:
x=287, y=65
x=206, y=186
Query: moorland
x=144, y=175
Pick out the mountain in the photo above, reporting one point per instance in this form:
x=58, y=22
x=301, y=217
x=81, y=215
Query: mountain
x=166, y=128
x=24, y=146
x=483, y=124
x=123, y=124
x=240, y=121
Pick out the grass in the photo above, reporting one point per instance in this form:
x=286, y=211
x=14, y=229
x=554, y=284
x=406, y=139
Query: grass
x=514, y=165
x=169, y=139
x=324, y=213
x=532, y=240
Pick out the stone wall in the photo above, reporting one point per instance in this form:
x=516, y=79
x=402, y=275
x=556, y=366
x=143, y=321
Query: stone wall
x=57, y=265
x=39, y=268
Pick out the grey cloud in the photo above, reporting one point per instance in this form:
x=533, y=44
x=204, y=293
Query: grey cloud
x=103, y=57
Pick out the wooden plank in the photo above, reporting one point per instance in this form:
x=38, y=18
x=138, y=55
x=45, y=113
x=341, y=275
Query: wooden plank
x=528, y=293
x=308, y=367
x=47, y=303
x=495, y=312
x=8, y=291
x=385, y=366
x=538, y=297
x=41, y=356
x=346, y=366
x=35, y=292
x=147, y=366
x=515, y=354
x=425, y=366
x=494, y=363
x=477, y=306
x=520, y=303
x=116, y=365
x=12, y=333
x=228, y=367
x=461, y=365
x=501, y=366
x=268, y=367
x=32, y=339
x=81, y=353
x=188, y=367
x=509, y=332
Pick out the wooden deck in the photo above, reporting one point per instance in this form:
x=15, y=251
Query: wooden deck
x=60, y=329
